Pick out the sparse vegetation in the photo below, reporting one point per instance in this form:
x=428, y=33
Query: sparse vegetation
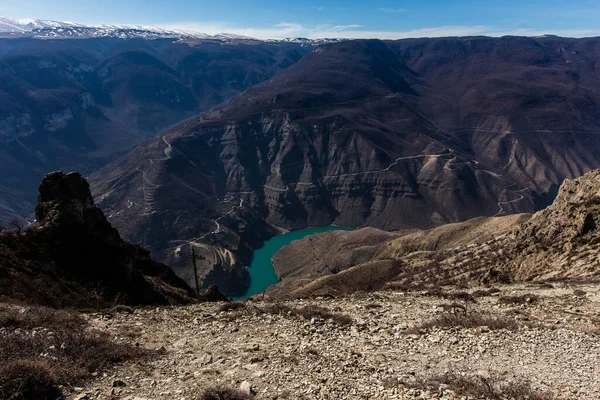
x=42, y=348
x=465, y=319
x=527, y=298
x=306, y=312
x=485, y=292
x=460, y=295
x=223, y=393
x=28, y=379
x=231, y=306
x=481, y=387
x=17, y=225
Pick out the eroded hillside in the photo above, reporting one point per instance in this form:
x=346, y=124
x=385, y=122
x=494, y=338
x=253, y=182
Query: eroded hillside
x=557, y=243
x=392, y=135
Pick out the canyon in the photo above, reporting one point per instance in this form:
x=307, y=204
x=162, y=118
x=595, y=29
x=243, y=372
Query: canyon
x=394, y=135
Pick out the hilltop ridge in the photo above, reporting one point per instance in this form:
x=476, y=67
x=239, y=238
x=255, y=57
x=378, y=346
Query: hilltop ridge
x=560, y=242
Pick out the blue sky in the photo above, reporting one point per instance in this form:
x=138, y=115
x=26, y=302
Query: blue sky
x=384, y=19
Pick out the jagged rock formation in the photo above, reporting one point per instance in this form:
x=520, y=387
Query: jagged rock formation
x=74, y=257
x=560, y=242
x=394, y=135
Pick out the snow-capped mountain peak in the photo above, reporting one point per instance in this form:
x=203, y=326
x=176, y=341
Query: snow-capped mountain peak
x=26, y=25
x=64, y=29
x=47, y=29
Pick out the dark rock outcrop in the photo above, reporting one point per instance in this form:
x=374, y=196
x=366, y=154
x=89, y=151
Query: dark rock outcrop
x=212, y=294
x=74, y=257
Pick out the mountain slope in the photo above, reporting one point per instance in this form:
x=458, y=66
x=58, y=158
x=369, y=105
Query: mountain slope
x=367, y=133
x=560, y=242
x=77, y=104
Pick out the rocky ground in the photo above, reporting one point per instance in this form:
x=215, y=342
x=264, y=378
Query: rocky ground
x=547, y=335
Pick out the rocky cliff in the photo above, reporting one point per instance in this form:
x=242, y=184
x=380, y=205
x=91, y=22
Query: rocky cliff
x=393, y=135
x=74, y=257
x=561, y=242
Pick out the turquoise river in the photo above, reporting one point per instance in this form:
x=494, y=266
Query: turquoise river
x=262, y=273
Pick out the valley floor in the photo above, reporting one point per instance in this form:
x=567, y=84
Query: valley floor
x=547, y=335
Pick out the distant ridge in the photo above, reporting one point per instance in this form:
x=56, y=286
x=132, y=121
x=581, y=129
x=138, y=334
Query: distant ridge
x=65, y=29
x=48, y=29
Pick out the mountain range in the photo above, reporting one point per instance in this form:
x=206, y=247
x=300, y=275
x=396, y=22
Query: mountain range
x=76, y=104
x=240, y=139
x=63, y=29
x=46, y=29
x=401, y=134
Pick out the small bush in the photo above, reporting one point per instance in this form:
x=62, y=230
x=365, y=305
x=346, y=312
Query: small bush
x=492, y=388
x=223, y=393
x=454, y=308
x=527, y=298
x=485, y=292
x=26, y=379
x=36, y=316
x=579, y=293
x=464, y=296
x=461, y=295
x=232, y=306
x=120, y=308
x=57, y=345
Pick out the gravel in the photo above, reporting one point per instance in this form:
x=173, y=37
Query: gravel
x=286, y=356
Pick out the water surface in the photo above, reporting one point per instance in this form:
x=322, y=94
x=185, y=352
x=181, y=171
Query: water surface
x=261, y=270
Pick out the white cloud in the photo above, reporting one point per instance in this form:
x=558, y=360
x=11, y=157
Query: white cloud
x=355, y=31
x=540, y=32
x=278, y=31
x=391, y=10
x=423, y=32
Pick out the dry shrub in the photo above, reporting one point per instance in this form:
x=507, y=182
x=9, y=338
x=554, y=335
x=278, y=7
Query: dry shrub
x=485, y=292
x=120, y=308
x=37, y=316
x=491, y=388
x=223, y=393
x=454, y=308
x=310, y=312
x=579, y=293
x=527, y=298
x=464, y=296
x=465, y=320
x=27, y=379
x=56, y=342
x=231, y=306
x=460, y=295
